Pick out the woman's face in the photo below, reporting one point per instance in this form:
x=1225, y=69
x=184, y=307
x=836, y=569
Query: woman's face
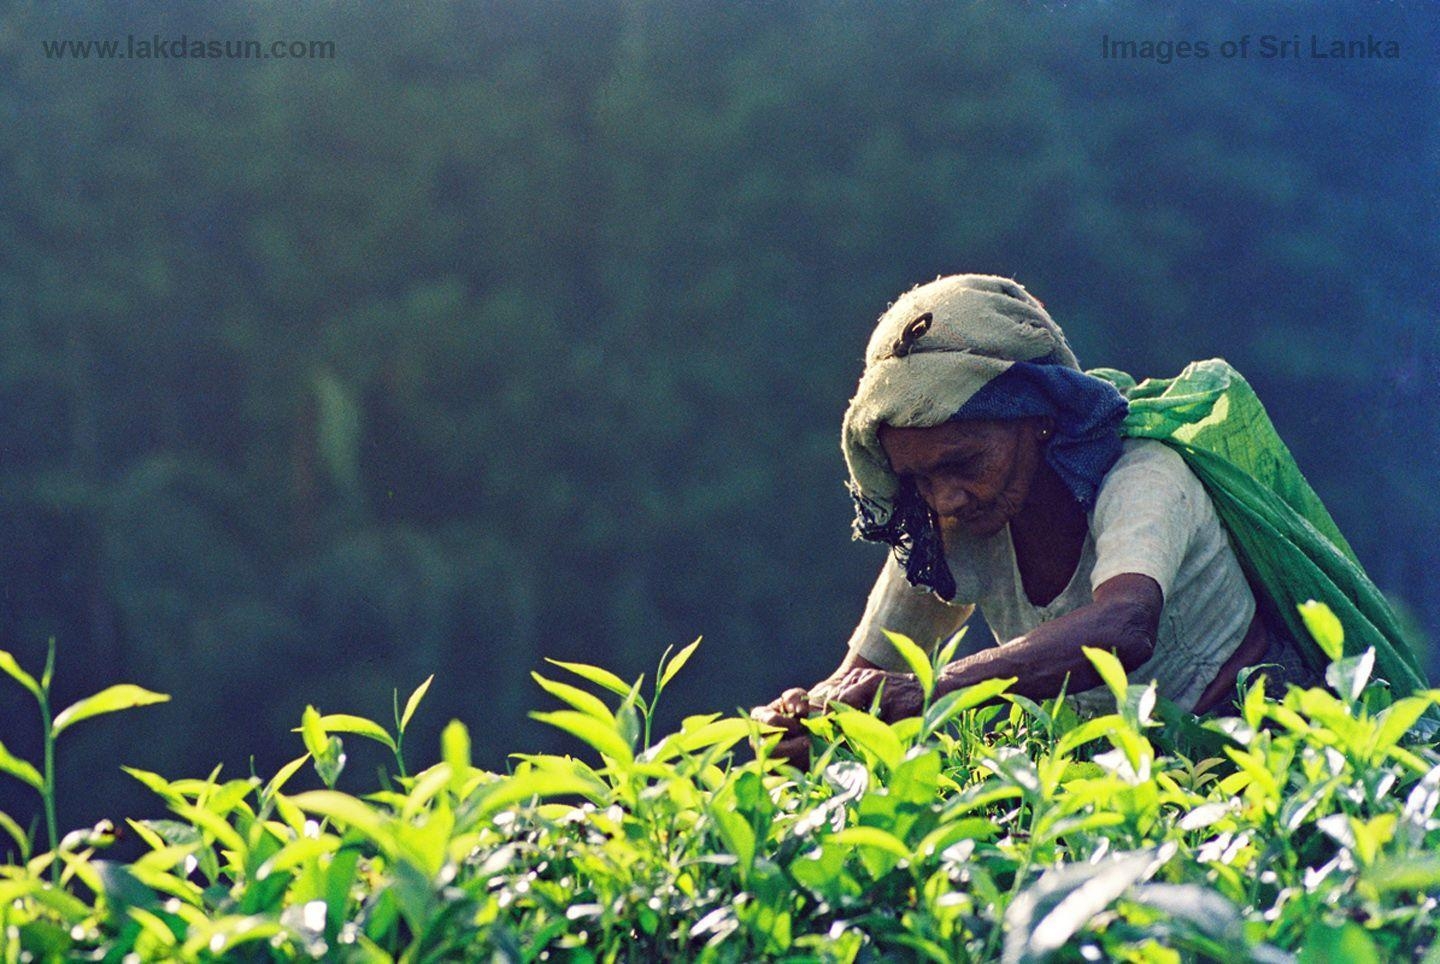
x=975, y=475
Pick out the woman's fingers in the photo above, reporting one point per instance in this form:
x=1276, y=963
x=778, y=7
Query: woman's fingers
x=794, y=701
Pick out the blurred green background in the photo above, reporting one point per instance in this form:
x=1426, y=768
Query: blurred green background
x=524, y=329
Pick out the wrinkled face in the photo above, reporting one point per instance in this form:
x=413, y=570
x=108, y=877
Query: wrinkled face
x=975, y=475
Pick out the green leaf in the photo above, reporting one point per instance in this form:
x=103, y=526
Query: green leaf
x=285, y=773
x=213, y=824
x=154, y=782
x=531, y=781
x=20, y=770
x=675, y=665
x=312, y=732
x=345, y=810
x=1325, y=626
x=956, y=702
x=1044, y=916
x=872, y=736
x=949, y=646
x=455, y=747
x=11, y=667
x=872, y=837
x=1326, y=943
x=345, y=723
x=1397, y=719
x=414, y=701
x=109, y=700
x=1416, y=872
x=1110, y=670
x=1348, y=676
x=596, y=675
x=583, y=700
x=8, y=824
x=737, y=834
x=331, y=763
x=603, y=737
x=916, y=658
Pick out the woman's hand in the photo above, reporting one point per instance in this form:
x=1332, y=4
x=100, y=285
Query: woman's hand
x=900, y=697
x=787, y=712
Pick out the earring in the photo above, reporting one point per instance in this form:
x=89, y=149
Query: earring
x=1044, y=434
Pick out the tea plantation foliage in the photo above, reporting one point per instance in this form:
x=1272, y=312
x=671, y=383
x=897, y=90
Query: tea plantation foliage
x=991, y=828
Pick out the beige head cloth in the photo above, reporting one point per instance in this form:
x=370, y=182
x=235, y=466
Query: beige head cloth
x=931, y=351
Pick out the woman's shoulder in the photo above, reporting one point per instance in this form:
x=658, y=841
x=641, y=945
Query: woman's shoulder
x=1146, y=458
x=1148, y=473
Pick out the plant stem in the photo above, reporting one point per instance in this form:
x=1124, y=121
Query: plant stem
x=49, y=789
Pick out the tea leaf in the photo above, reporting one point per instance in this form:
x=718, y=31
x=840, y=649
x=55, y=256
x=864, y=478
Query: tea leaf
x=312, y=732
x=19, y=769
x=455, y=747
x=109, y=700
x=594, y=674
x=872, y=736
x=345, y=723
x=602, y=737
x=582, y=700
x=1325, y=626
x=1348, y=676
x=414, y=701
x=916, y=659
x=676, y=664
x=12, y=668
x=872, y=837
x=955, y=702
x=1110, y=670
x=1326, y=943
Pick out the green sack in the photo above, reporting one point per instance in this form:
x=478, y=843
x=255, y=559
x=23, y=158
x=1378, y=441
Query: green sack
x=1286, y=541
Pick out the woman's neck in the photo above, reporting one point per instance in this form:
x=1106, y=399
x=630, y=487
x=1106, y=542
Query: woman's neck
x=1050, y=510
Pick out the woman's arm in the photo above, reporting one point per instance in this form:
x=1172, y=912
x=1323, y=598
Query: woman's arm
x=1124, y=618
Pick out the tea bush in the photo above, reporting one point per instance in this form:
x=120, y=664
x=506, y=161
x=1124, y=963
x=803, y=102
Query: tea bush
x=990, y=828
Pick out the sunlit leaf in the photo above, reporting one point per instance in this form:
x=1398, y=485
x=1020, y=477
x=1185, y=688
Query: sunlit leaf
x=1110, y=670
x=601, y=736
x=21, y=770
x=344, y=809
x=954, y=703
x=737, y=834
x=871, y=735
x=345, y=723
x=414, y=701
x=872, y=837
x=214, y=825
x=109, y=700
x=12, y=668
x=530, y=782
x=1325, y=627
x=676, y=664
x=284, y=774
x=455, y=747
x=600, y=677
x=312, y=732
x=22, y=841
x=582, y=700
x=916, y=658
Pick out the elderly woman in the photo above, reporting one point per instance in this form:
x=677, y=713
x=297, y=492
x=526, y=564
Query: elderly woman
x=1004, y=477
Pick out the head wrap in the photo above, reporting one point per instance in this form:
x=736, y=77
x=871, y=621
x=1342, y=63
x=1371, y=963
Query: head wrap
x=968, y=347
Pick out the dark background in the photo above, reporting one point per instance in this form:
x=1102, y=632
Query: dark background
x=525, y=329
